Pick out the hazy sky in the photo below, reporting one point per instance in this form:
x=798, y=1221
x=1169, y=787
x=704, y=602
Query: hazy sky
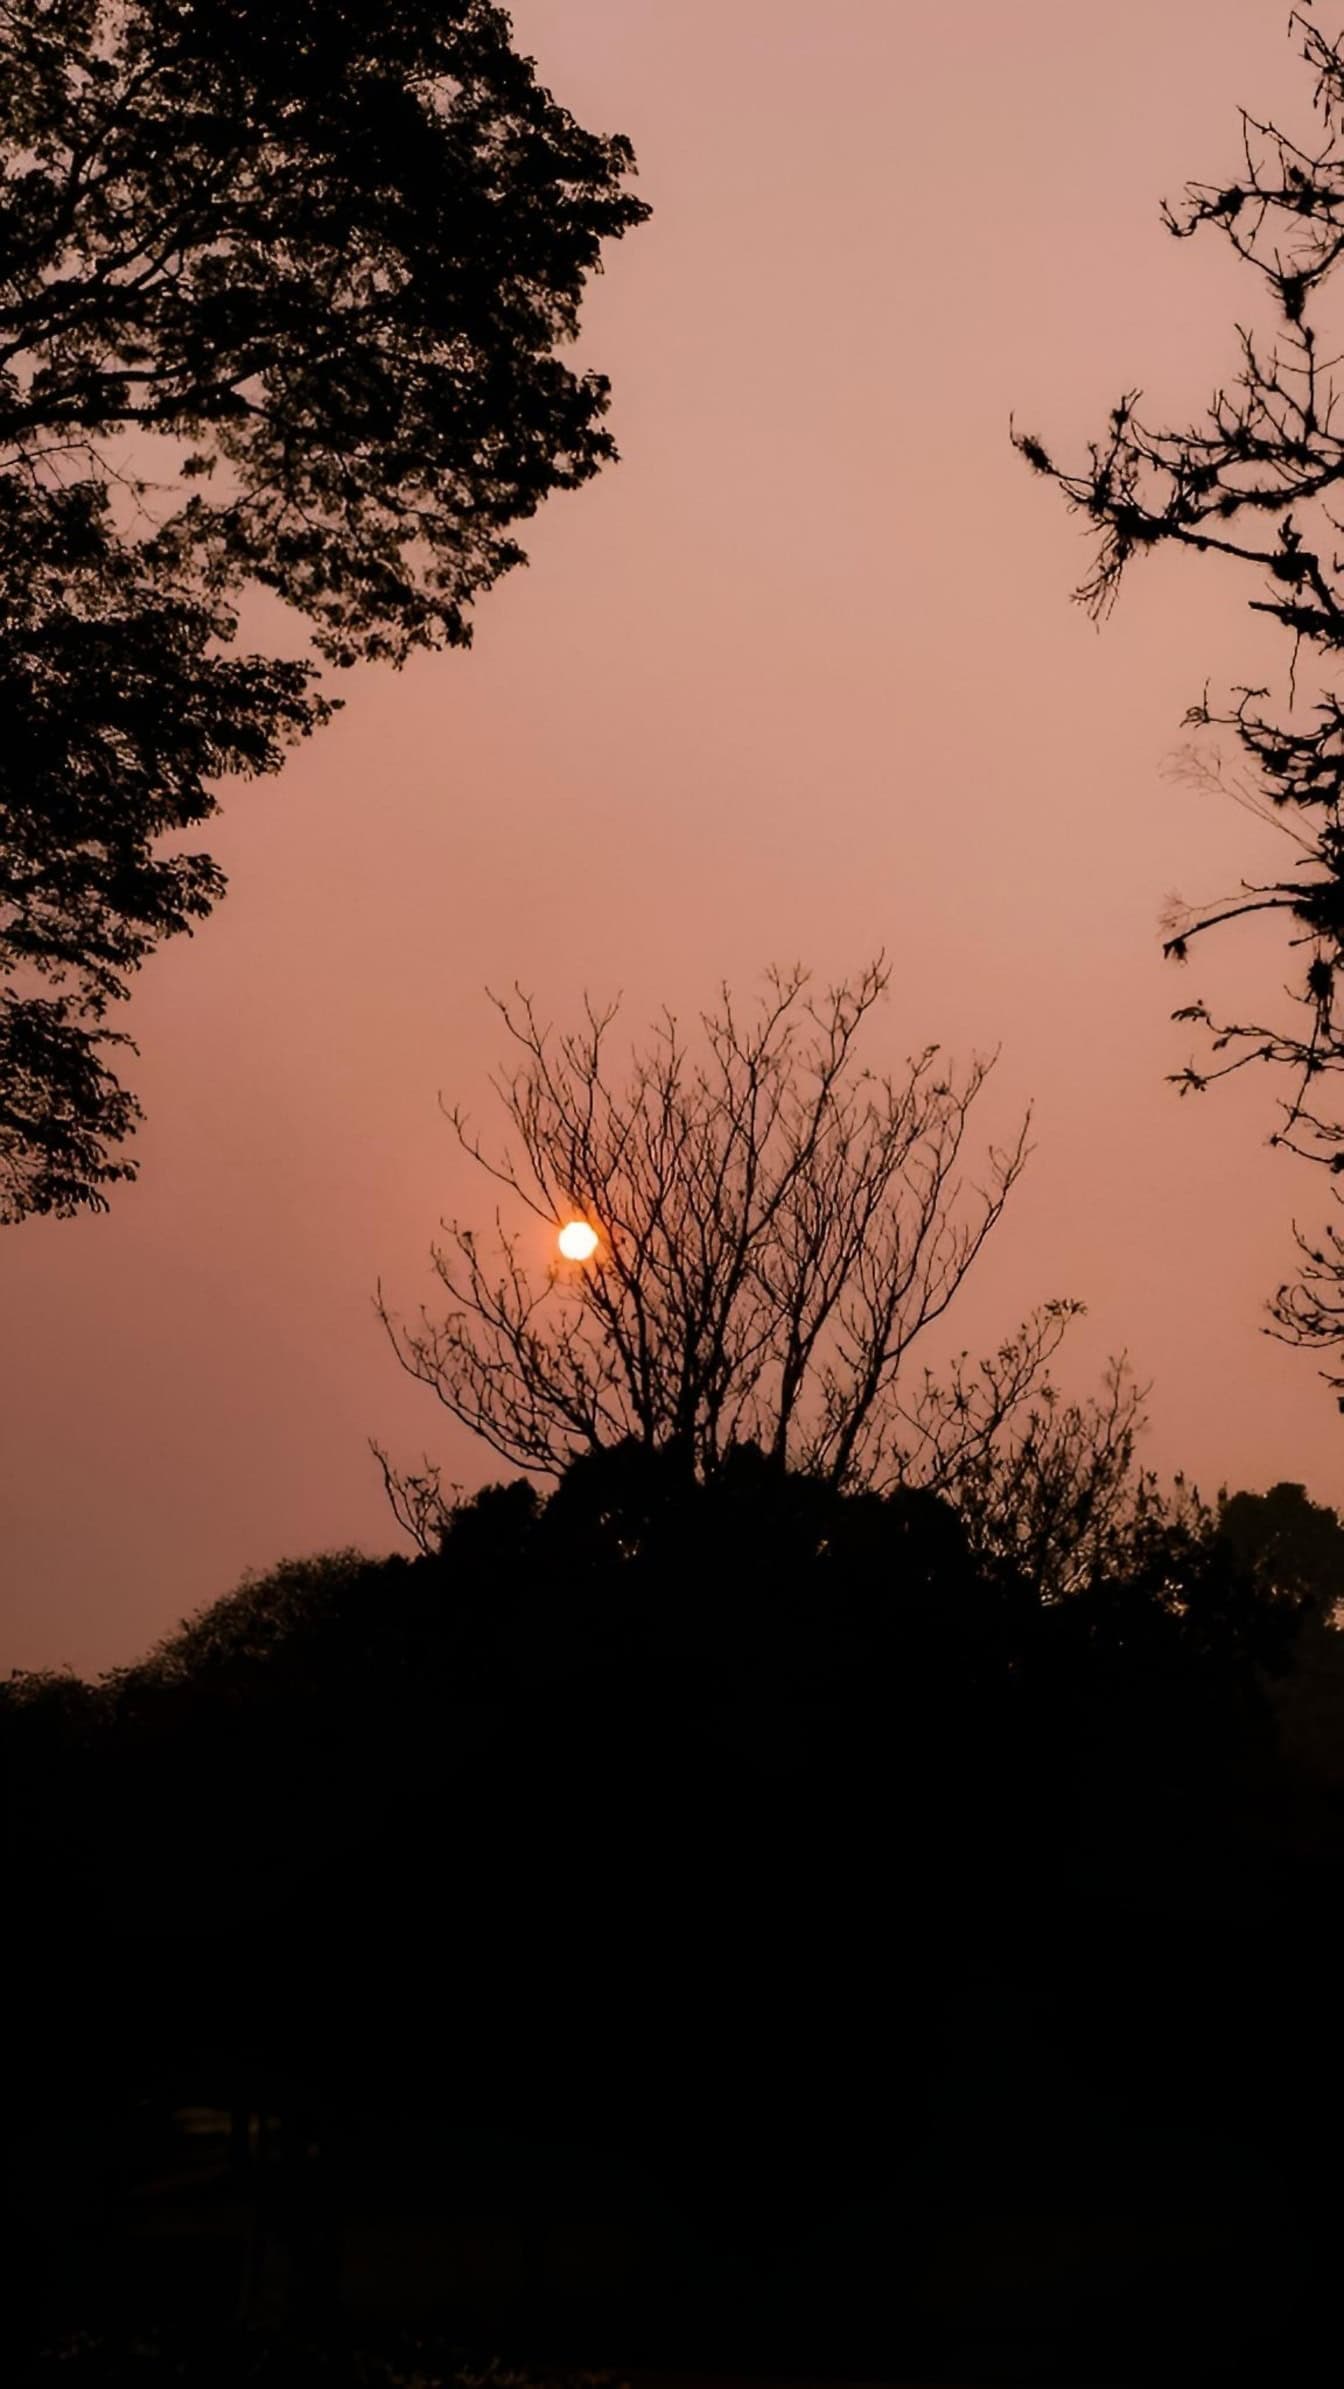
x=799, y=678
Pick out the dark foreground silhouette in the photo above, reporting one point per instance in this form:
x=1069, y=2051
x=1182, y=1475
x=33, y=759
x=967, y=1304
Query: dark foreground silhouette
x=718, y=1928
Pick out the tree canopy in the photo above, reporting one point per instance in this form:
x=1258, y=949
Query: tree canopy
x=641, y=1622
x=680, y=1815
x=311, y=270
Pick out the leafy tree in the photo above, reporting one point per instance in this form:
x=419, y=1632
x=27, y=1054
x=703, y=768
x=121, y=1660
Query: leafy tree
x=311, y=1606
x=120, y=704
x=315, y=264
x=778, y=1226
x=1255, y=479
x=1296, y=1544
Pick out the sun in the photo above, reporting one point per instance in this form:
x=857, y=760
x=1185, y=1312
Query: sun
x=577, y=1240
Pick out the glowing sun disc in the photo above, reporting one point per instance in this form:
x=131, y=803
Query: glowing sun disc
x=578, y=1241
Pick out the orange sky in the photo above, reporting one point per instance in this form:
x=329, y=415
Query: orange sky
x=798, y=678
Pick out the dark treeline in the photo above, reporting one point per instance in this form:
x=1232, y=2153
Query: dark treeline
x=771, y=1934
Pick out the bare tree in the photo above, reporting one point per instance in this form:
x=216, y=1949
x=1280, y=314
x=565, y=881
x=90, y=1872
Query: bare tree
x=777, y=1225
x=1257, y=480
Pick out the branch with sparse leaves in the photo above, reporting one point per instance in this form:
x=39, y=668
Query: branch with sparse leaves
x=1257, y=479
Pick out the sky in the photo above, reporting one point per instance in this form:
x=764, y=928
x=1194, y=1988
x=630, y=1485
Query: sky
x=798, y=679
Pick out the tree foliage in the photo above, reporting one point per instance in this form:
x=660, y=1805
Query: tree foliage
x=681, y=1817
x=315, y=265
x=688, y=1637
x=1297, y=1545
x=1257, y=479
x=121, y=704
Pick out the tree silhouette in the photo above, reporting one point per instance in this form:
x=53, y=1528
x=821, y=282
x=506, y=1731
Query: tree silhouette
x=698, y=1818
x=1296, y=1544
x=1254, y=480
x=1053, y=1488
x=317, y=262
x=778, y=1225
x=119, y=707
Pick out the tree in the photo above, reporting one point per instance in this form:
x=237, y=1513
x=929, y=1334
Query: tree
x=1253, y=480
x=119, y=706
x=316, y=263
x=1296, y=1544
x=778, y=1225
x=1052, y=1488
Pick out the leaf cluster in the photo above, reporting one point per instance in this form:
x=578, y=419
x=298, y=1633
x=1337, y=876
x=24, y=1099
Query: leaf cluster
x=320, y=261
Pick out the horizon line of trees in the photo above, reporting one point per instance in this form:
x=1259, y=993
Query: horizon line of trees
x=1286, y=1549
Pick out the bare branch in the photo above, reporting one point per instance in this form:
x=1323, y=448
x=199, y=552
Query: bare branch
x=778, y=1224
